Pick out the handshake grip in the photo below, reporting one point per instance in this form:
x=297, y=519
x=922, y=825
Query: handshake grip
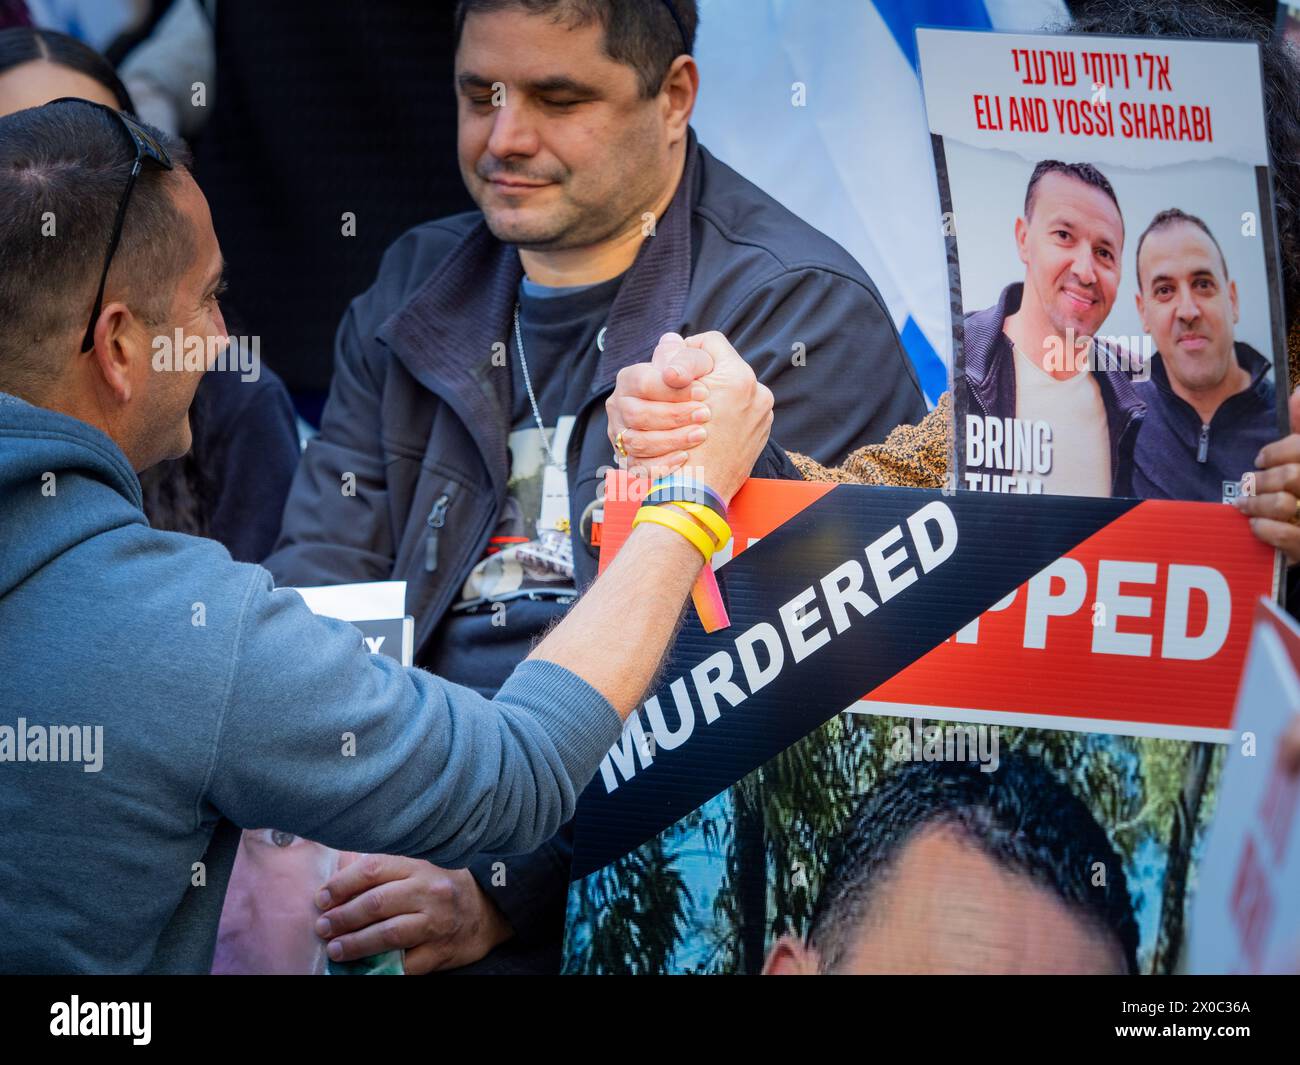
x=697, y=403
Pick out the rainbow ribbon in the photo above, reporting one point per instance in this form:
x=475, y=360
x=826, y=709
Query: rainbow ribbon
x=707, y=597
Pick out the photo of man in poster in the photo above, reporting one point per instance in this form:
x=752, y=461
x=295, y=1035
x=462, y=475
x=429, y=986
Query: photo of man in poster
x=945, y=869
x=1051, y=409
x=1210, y=401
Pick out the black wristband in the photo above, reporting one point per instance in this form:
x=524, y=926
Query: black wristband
x=685, y=493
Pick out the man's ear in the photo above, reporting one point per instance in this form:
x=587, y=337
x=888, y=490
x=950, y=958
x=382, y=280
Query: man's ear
x=1022, y=235
x=1141, y=309
x=681, y=86
x=114, y=354
x=1232, y=296
x=790, y=956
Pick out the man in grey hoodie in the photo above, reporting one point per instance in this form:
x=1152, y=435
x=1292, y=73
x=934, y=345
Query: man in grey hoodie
x=154, y=694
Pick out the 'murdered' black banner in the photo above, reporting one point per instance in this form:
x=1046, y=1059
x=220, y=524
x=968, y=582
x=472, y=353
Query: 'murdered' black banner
x=844, y=595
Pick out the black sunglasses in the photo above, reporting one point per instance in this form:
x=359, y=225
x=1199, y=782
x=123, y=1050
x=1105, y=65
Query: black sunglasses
x=146, y=148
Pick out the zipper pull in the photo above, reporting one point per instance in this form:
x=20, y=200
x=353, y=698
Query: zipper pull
x=437, y=519
x=1203, y=449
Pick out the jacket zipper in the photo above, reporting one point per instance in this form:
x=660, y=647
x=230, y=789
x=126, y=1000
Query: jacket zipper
x=1203, y=448
x=436, y=520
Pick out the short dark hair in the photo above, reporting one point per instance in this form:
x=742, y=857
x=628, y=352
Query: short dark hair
x=63, y=168
x=639, y=33
x=1020, y=815
x=1085, y=172
x=1281, y=71
x=1171, y=216
x=27, y=44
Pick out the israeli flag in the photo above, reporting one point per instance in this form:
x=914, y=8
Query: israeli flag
x=819, y=104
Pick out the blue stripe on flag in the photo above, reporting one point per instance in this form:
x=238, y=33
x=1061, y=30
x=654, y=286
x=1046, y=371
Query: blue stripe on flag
x=929, y=367
x=903, y=16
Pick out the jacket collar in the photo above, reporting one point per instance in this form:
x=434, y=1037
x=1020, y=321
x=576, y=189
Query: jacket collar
x=988, y=378
x=446, y=333
x=1248, y=359
x=55, y=442
x=993, y=379
x=1253, y=362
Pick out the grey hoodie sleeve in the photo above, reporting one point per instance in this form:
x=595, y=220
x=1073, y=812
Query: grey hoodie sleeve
x=321, y=739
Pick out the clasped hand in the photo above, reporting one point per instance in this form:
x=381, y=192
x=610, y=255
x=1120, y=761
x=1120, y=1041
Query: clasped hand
x=696, y=401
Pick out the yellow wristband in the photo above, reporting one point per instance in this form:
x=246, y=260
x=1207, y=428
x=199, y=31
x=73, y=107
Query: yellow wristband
x=710, y=519
x=678, y=523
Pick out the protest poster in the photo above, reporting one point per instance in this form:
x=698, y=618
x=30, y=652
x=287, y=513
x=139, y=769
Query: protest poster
x=268, y=920
x=1113, y=260
x=1247, y=913
x=983, y=729
x=377, y=608
x=708, y=837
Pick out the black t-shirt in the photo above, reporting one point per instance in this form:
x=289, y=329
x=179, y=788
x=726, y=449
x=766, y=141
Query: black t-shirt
x=525, y=581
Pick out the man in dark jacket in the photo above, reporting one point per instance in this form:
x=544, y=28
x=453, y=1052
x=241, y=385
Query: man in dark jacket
x=466, y=423
x=1210, y=401
x=1046, y=407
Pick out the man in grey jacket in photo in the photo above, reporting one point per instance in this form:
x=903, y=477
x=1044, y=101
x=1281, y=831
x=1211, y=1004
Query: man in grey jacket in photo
x=154, y=694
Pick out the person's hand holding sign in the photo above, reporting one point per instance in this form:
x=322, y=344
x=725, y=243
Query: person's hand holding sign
x=1273, y=505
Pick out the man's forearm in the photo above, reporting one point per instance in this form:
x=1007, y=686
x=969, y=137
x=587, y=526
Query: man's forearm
x=615, y=636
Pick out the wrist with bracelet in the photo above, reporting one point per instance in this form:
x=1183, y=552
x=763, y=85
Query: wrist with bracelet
x=698, y=514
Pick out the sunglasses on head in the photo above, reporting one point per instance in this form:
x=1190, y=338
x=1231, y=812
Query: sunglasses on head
x=147, y=149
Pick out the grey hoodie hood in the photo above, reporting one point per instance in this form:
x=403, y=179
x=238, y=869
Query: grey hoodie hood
x=42, y=454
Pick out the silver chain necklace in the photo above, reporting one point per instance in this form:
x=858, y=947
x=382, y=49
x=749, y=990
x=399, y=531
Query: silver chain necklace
x=532, y=397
